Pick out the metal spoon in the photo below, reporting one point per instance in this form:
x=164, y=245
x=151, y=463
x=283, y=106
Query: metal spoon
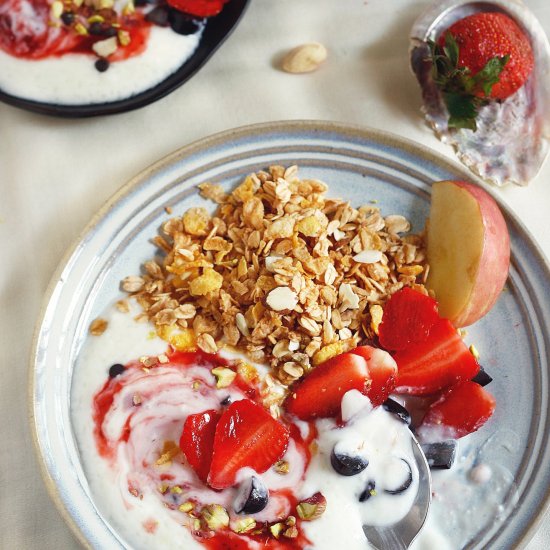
x=401, y=535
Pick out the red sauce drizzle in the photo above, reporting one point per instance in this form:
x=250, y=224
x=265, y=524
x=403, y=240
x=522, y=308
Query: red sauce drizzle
x=223, y=539
x=35, y=38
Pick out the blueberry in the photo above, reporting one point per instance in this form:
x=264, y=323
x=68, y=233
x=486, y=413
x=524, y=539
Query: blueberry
x=252, y=496
x=368, y=491
x=181, y=23
x=441, y=454
x=158, y=16
x=347, y=464
x=396, y=408
x=96, y=28
x=406, y=475
x=102, y=64
x=226, y=401
x=67, y=17
x=482, y=378
x=115, y=370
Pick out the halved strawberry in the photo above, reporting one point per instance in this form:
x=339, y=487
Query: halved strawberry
x=246, y=436
x=408, y=318
x=319, y=395
x=199, y=8
x=197, y=441
x=440, y=361
x=463, y=408
x=382, y=371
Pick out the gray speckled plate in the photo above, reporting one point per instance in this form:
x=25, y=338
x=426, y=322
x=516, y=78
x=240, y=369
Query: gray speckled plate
x=358, y=164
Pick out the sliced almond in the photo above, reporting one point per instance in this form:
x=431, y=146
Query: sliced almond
x=368, y=257
x=282, y=298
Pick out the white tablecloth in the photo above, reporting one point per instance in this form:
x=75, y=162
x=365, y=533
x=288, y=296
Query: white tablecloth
x=54, y=174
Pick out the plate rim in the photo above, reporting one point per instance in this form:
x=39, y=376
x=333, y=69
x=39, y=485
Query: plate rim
x=215, y=26
x=250, y=130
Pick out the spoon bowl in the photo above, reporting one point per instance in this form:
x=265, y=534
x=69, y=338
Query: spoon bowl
x=400, y=535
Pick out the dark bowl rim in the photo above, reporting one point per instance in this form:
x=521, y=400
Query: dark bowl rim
x=216, y=31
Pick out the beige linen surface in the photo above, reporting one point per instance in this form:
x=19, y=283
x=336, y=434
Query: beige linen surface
x=54, y=174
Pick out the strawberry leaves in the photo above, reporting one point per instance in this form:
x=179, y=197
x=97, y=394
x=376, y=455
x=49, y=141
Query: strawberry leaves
x=463, y=92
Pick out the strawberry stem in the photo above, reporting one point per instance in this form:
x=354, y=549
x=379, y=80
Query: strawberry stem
x=463, y=93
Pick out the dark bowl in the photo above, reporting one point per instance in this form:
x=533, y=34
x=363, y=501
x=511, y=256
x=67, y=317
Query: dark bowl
x=217, y=29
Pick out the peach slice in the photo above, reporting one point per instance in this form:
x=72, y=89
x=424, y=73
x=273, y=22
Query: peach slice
x=468, y=251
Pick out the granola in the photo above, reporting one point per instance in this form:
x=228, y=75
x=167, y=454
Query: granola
x=280, y=271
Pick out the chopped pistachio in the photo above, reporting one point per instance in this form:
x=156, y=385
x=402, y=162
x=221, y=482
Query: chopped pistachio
x=124, y=37
x=215, y=516
x=291, y=532
x=312, y=507
x=176, y=490
x=196, y=384
x=79, y=28
x=224, y=376
x=290, y=521
x=129, y=8
x=276, y=529
x=56, y=9
x=186, y=507
x=96, y=19
x=244, y=525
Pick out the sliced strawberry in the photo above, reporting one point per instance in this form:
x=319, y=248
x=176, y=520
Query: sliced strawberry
x=197, y=441
x=463, y=408
x=408, y=318
x=382, y=372
x=438, y=362
x=199, y=8
x=246, y=436
x=320, y=394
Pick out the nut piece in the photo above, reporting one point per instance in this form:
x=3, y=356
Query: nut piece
x=312, y=508
x=243, y=525
x=215, y=516
x=368, y=257
x=305, y=58
x=281, y=298
x=276, y=529
x=224, y=376
x=105, y=48
x=186, y=507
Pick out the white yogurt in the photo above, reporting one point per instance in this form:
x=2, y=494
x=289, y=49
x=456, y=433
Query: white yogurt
x=72, y=79
x=460, y=509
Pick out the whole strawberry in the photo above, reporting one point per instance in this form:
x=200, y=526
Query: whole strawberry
x=485, y=56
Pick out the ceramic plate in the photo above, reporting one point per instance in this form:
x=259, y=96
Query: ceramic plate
x=216, y=30
x=360, y=165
